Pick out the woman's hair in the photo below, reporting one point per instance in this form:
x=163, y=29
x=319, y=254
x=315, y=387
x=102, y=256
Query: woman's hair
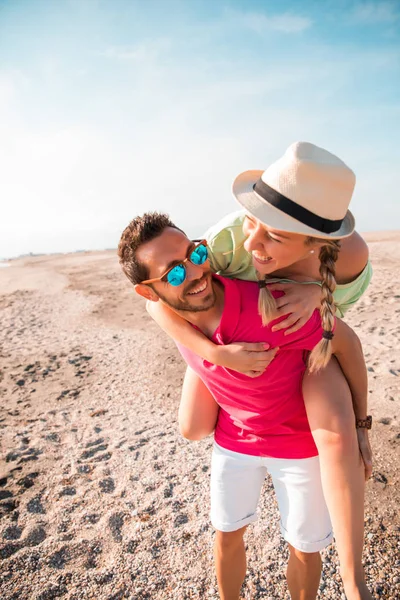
x=328, y=255
x=266, y=303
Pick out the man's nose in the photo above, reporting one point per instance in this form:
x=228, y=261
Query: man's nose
x=194, y=271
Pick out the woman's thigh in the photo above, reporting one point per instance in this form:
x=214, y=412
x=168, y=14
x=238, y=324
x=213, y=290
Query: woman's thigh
x=198, y=410
x=328, y=400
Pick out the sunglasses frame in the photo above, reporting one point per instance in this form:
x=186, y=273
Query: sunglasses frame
x=182, y=262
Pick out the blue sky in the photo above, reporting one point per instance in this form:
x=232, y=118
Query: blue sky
x=111, y=108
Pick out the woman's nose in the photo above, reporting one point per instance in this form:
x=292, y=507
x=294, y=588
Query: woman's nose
x=254, y=241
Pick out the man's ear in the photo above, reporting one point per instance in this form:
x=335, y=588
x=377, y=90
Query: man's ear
x=147, y=292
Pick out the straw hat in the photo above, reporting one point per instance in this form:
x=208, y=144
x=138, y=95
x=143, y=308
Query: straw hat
x=307, y=191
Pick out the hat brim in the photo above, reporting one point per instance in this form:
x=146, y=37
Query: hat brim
x=273, y=217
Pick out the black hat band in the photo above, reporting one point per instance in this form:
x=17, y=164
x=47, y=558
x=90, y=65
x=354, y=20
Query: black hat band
x=295, y=210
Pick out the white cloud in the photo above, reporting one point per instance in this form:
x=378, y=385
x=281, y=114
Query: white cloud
x=376, y=12
x=146, y=50
x=12, y=81
x=285, y=23
x=261, y=22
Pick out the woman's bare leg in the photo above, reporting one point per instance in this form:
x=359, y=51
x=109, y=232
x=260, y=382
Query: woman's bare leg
x=330, y=413
x=198, y=410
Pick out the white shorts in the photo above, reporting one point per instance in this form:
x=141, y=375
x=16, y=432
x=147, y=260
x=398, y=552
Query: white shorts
x=236, y=482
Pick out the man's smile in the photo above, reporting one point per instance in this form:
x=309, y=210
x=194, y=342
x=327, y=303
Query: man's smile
x=200, y=288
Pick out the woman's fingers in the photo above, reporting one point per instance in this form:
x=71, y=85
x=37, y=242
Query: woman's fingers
x=254, y=373
x=252, y=358
x=280, y=287
x=288, y=322
x=281, y=302
x=367, y=459
x=298, y=325
x=255, y=347
x=257, y=366
x=262, y=361
x=366, y=453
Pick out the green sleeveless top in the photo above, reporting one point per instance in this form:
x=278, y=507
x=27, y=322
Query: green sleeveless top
x=229, y=258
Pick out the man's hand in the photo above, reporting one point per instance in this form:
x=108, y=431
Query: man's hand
x=251, y=359
x=299, y=303
x=365, y=450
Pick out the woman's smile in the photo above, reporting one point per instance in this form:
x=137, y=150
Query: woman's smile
x=261, y=258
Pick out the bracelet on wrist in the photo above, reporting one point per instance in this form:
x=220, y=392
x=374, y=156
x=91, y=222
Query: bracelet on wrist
x=364, y=423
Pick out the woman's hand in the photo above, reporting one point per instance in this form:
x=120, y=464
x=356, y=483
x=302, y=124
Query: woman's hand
x=246, y=358
x=365, y=450
x=300, y=301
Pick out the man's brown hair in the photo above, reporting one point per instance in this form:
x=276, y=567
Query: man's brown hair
x=140, y=230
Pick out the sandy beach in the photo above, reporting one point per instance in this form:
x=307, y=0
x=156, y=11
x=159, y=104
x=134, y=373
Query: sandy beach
x=100, y=497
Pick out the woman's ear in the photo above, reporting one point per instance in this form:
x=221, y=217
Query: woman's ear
x=314, y=245
x=146, y=292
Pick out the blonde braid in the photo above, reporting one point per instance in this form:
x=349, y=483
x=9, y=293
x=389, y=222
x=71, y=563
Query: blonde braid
x=266, y=302
x=322, y=352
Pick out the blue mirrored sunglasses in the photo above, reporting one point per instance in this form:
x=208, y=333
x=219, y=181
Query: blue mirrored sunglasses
x=176, y=275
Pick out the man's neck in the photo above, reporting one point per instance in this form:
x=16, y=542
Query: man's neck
x=207, y=320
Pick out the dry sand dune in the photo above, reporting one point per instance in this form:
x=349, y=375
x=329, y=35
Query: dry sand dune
x=99, y=496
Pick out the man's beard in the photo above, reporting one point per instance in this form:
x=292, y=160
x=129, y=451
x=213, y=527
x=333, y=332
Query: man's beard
x=208, y=302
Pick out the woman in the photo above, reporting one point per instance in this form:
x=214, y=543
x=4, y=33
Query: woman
x=296, y=213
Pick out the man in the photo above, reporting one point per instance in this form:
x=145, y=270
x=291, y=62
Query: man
x=262, y=424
